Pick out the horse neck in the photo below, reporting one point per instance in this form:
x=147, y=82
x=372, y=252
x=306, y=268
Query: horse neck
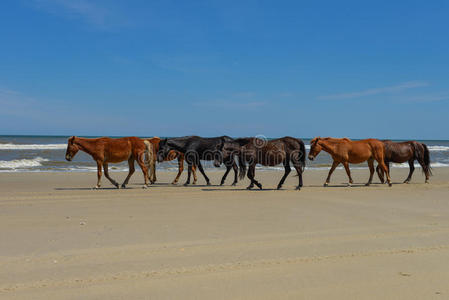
x=328, y=145
x=86, y=145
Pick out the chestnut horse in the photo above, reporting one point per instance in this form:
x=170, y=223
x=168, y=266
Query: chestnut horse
x=173, y=154
x=268, y=153
x=345, y=151
x=105, y=150
x=406, y=152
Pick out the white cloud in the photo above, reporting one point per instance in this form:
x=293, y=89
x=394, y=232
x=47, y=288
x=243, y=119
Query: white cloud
x=230, y=104
x=88, y=11
x=376, y=91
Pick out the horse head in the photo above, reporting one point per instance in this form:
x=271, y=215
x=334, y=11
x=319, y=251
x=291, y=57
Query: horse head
x=315, y=148
x=164, y=149
x=72, y=149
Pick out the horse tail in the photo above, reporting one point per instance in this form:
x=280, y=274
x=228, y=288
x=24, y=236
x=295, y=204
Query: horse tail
x=242, y=166
x=427, y=159
x=423, y=156
x=150, y=159
x=302, y=158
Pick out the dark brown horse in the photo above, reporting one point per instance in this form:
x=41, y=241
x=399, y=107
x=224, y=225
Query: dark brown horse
x=345, y=151
x=106, y=150
x=406, y=152
x=268, y=153
x=172, y=155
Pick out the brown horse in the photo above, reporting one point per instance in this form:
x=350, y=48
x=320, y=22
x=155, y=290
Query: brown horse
x=105, y=150
x=173, y=154
x=268, y=153
x=345, y=151
x=406, y=152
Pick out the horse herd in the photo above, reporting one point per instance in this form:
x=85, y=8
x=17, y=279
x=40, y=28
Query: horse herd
x=248, y=152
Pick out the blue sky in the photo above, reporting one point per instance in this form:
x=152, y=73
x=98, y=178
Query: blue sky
x=170, y=68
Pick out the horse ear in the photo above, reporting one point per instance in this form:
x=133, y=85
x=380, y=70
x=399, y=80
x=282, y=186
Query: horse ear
x=71, y=140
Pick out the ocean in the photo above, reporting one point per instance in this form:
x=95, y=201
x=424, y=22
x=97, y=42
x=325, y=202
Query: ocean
x=47, y=154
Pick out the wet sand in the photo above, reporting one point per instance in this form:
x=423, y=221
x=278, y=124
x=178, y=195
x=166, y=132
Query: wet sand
x=61, y=240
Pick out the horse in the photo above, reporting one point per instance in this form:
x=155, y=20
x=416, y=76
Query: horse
x=346, y=151
x=195, y=149
x=153, y=143
x=254, y=151
x=406, y=152
x=106, y=150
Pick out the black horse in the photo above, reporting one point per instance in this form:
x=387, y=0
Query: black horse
x=406, y=152
x=197, y=148
x=268, y=153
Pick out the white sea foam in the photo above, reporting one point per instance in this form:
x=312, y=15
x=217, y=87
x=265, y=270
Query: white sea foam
x=21, y=163
x=438, y=148
x=32, y=146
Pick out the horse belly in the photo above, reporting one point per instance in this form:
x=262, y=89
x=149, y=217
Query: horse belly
x=118, y=156
x=273, y=158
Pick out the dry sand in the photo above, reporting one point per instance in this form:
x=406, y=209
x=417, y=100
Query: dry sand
x=61, y=240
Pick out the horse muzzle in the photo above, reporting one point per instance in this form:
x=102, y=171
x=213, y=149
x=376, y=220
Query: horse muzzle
x=311, y=157
x=68, y=158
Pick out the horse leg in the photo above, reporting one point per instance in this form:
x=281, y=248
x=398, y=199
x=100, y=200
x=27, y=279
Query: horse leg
x=251, y=173
x=380, y=174
x=334, y=165
x=106, y=173
x=228, y=168
x=130, y=173
x=200, y=166
x=144, y=169
x=411, y=164
x=346, y=165
x=195, y=178
x=189, y=172
x=180, y=169
x=371, y=171
x=98, y=175
x=386, y=170
x=234, y=166
x=287, y=171
x=153, y=171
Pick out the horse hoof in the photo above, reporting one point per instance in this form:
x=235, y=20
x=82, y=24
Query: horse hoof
x=279, y=187
x=145, y=186
x=185, y=184
x=123, y=186
x=427, y=181
x=249, y=187
x=389, y=184
x=367, y=184
x=298, y=188
x=260, y=186
x=406, y=181
x=325, y=184
x=96, y=187
x=174, y=183
x=208, y=183
x=349, y=184
x=234, y=184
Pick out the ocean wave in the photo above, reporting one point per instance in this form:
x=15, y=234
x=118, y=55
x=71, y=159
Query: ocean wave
x=32, y=146
x=438, y=148
x=22, y=163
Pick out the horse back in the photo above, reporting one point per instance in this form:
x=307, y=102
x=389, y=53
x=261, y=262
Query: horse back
x=120, y=149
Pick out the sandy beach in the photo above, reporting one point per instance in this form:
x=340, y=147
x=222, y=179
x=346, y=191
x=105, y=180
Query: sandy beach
x=62, y=240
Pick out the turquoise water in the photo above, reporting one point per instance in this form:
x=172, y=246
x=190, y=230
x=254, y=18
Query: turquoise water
x=47, y=153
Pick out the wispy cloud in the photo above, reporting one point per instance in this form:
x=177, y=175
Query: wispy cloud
x=426, y=98
x=89, y=11
x=376, y=91
x=230, y=104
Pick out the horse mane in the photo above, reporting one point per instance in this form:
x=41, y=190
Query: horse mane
x=243, y=141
